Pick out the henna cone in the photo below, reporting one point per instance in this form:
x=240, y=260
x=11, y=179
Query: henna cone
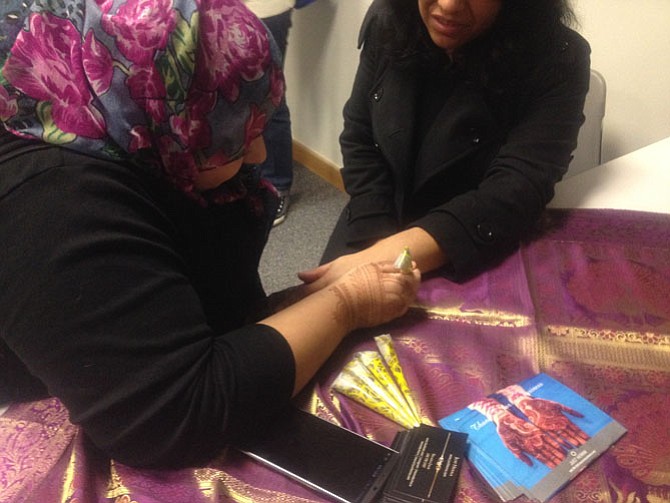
x=355, y=387
x=385, y=345
x=375, y=365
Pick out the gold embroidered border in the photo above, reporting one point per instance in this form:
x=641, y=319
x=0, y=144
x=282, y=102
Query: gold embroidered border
x=640, y=350
x=494, y=318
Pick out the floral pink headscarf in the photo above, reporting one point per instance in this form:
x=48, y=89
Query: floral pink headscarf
x=163, y=81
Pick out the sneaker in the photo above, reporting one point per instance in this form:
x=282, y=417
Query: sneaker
x=282, y=209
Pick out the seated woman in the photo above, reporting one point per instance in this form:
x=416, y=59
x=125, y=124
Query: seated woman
x=132, y=220
x=462, y=117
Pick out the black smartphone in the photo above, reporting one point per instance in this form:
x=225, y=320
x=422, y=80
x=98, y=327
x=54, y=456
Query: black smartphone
x=328, y=458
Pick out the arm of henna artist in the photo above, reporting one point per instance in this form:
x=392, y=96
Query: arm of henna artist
x=366, y=296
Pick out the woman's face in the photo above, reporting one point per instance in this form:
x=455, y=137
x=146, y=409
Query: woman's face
x=216, y=172
x=453, y=23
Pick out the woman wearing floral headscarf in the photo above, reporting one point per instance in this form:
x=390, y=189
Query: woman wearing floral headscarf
x=133, y=219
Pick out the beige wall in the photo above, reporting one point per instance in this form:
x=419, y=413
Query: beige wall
x=630, y=40
x=630, y=43
x=320, y=66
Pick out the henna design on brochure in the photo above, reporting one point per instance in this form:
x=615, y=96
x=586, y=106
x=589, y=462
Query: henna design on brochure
x=547, y=415
x=521, y=437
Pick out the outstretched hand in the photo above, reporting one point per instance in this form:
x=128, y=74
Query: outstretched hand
x=326, y=274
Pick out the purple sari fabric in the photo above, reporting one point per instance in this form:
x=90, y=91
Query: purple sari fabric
x=587, y=301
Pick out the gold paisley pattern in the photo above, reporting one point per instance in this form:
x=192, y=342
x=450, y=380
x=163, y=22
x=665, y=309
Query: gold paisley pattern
x=35, y=438
x=217, y=485
x=115, y=487
x=645, y=450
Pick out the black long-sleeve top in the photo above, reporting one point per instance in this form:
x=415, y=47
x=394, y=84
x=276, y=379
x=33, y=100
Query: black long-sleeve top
x=425, y=146
x=135, y=306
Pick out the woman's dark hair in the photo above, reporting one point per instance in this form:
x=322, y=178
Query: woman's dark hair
x=522, y=29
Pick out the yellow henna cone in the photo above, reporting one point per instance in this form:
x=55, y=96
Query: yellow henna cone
x=374, y=363
x=385, y=345
x=404, y=261
x=359, y=370
x=353, y=386
x=367, y=378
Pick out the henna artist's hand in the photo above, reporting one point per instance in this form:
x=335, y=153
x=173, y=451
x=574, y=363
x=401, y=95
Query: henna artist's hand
x=372, y=294
x=547, y=415
x=521, y=437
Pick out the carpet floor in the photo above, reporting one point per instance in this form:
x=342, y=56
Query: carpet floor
x=297, y=243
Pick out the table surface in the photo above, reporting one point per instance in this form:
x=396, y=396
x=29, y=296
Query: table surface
x=586, y=302
x=636, y=181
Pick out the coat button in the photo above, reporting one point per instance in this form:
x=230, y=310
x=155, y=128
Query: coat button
x=476, y=140
x=377, y=95
x=485, y=231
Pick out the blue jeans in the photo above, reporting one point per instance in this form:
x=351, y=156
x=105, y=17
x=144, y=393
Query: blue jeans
x=278, y=166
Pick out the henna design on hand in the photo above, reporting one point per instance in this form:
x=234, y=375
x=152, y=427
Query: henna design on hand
x=548, y=415
x=521, y=437
x=372, y=294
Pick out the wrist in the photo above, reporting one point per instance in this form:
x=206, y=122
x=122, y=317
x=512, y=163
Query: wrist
x=345, y=313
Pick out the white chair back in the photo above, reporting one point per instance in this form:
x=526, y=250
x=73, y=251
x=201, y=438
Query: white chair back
x=589, y=142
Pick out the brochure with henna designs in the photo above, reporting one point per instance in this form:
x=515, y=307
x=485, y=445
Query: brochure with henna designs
x=533, y=437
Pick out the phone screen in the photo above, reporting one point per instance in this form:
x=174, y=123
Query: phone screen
x=342, y=464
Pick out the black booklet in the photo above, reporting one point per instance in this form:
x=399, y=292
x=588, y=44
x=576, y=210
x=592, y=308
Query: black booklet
x=428, y=466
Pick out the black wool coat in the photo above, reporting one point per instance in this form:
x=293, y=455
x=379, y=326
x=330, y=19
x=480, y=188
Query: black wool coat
x=477, y=178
